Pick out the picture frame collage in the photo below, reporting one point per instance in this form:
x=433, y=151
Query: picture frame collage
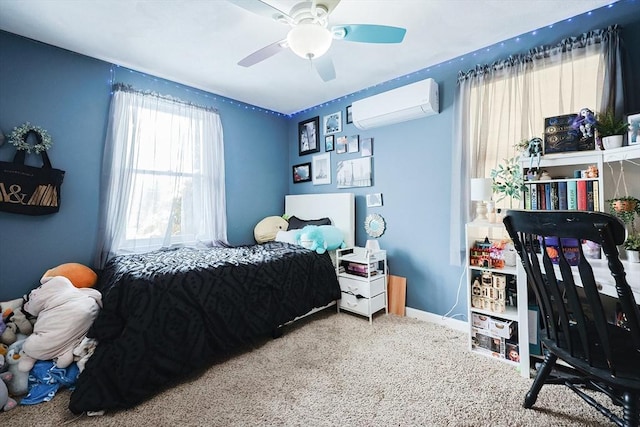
x=352, y=172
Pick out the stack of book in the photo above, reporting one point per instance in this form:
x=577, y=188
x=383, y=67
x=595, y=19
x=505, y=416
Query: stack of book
x=362, y=270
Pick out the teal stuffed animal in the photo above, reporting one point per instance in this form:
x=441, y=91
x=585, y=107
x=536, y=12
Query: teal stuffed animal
x=320, y=238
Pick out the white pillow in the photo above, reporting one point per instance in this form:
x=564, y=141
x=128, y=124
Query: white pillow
x=286, y=236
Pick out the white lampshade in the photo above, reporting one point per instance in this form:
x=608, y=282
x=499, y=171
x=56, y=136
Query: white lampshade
x=480, y=193
x=481, y=189
x=309, y=41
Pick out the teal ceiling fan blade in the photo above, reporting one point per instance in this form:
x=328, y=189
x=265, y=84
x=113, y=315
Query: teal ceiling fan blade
x=369, y=33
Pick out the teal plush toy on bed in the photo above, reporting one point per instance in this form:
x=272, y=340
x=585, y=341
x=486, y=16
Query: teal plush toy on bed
x=320, y=238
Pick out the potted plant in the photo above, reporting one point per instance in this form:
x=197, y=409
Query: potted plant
x=611, y=129
x=625, y=208
x=508, y=180
x=632, y=246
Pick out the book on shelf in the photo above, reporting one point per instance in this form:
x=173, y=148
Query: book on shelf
x=533, y=191
x=547, y=196
x=527, y=196
x=572, y=195
x=582, y=195
x=555, y=204
x=596, y=196
x=562, y=195
x=542, y=200
x=590, y=195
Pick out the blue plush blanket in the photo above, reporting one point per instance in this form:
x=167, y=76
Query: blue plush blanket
x=45, y=379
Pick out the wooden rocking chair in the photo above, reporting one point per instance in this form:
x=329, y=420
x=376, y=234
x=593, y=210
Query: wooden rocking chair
x=603, y=355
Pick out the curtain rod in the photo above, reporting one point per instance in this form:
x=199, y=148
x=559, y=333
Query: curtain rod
x=567, y=44
x=122, y=87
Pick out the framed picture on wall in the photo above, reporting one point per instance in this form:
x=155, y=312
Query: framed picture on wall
x=353, y=143
x=341, y=145
x=333, y=123
x=301, y=172
x=374, y=200
x=321, y=167
x=349, y=116
x=329, y=142
x=366, y=147
x=309, y=136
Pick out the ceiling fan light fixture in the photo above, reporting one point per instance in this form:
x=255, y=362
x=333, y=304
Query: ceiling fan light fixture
x=309, y=41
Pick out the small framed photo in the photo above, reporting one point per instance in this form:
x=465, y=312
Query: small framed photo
x=341, y=145
x=302, y=173
x=329, y=142
x=349, y=115
x=321, y=169
x=309, y=136
x=353, y=143
x=374, y=200
x=366, y=147
x=634, y=129
x=333, y=123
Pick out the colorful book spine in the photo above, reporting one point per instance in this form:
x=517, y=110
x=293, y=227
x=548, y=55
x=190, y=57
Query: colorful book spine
x=572, y=195
x=590, y=195
x=596, y=196
x=562, y=195
x=555, y=204
x=547, y=196
x=534, y=197
x=582, y=195
x=527, y=196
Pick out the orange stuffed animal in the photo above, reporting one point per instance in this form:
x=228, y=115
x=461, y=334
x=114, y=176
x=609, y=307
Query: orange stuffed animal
x=80, y=275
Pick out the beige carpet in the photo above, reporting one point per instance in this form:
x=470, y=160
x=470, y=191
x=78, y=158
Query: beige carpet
x=337, y=370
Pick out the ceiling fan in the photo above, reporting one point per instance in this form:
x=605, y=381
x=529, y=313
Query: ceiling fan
x=310, y=36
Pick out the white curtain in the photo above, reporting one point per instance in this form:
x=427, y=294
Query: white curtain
x=163, y=176
x=501, y=104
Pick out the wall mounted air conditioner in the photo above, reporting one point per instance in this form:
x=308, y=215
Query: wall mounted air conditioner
x=415, y=100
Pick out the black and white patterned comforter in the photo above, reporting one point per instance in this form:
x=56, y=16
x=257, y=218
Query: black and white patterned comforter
x=169, y=313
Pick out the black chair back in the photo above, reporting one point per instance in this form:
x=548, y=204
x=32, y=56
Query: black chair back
x=601, y=345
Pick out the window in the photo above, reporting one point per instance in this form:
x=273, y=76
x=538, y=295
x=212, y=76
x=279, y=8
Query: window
x=549, y=90
x=498, y=105
x=164, y=164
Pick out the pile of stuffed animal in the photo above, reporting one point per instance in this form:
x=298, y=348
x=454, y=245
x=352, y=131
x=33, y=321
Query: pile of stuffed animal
x=47, y=324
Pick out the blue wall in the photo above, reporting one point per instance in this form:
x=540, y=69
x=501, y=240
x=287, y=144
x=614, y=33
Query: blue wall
x=412, y=161
x=68, y=94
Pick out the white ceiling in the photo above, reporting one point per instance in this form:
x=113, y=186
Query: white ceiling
x=199, y=42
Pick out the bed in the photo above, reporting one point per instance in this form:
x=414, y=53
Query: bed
x=168, y=314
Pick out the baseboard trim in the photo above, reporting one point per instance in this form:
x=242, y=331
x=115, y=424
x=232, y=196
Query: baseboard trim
x=449, y=322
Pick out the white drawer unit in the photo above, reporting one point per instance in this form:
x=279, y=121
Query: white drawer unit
x=362, y=274
x=364, y=289
x=361, y=305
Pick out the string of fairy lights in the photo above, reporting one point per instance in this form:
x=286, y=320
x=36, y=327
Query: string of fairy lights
x=407, y=77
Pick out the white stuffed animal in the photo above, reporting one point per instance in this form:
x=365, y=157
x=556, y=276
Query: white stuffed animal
x=64, y=315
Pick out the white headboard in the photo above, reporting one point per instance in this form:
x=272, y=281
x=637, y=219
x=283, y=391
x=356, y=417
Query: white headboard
x=339, y=207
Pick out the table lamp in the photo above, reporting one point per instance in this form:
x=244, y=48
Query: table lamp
x=480, y=193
